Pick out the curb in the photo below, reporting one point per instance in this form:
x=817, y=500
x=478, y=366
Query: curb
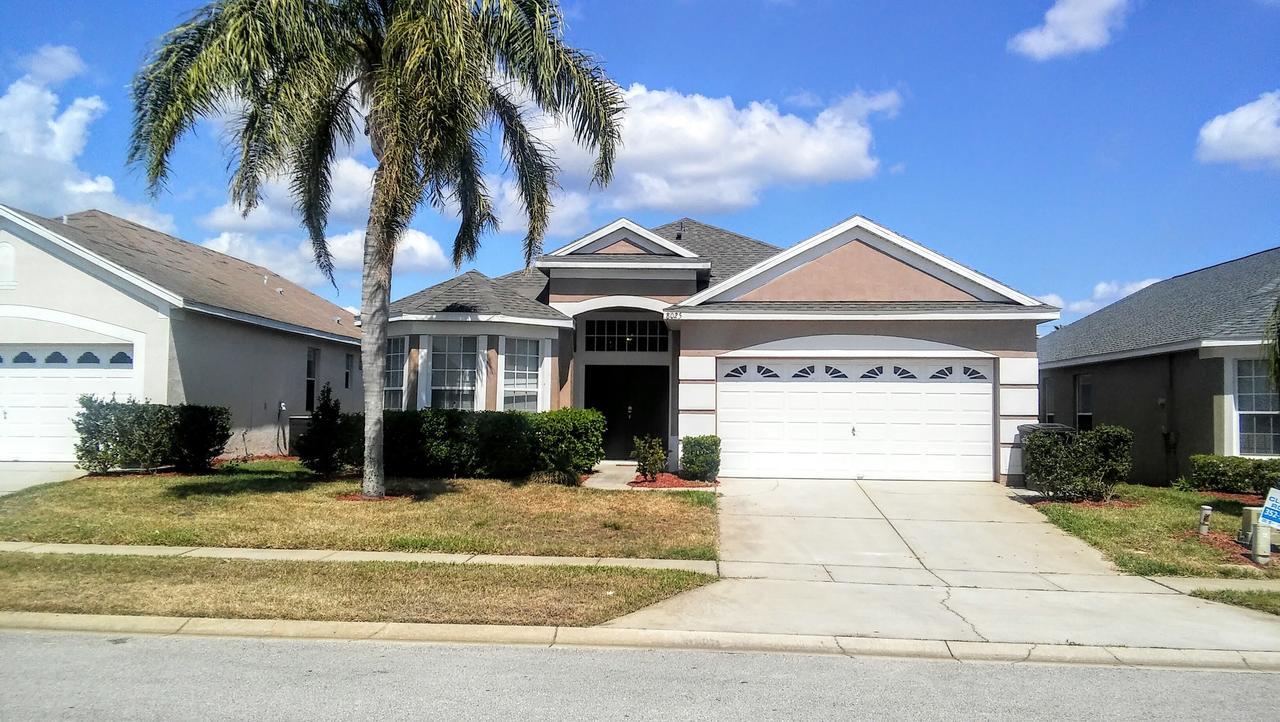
x=610, y=637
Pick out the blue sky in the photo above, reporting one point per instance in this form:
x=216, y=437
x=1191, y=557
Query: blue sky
x=1074, y=150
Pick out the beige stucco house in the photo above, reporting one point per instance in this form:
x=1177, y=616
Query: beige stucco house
x=92, y=303
x=856, y=353
x=1181, y=363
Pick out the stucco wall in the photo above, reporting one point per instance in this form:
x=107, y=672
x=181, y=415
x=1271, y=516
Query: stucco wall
x=47, y=277
x=1166, y=400
x=856, y=272
x=251, y=370
x=569, y=290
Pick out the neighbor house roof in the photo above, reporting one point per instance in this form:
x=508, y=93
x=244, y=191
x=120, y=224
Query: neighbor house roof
x=202, y=278
x=474, y=293
x=1231, y=300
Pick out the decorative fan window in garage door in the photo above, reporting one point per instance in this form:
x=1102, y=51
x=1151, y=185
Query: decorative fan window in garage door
x=802, y=371
x=61, y=357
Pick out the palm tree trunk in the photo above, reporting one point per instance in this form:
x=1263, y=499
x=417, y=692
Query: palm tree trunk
x=374, y=302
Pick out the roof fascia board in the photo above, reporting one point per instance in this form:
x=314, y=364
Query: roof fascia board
x=92, y=258
x=679, y=274
x=1192, y=345
x=482, y=317
x=694, y=265
x=893, y=239
x=676, y=313
x=628, y=225
x=270, y=323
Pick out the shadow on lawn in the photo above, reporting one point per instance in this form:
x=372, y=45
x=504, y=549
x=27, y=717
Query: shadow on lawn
x=230, y=482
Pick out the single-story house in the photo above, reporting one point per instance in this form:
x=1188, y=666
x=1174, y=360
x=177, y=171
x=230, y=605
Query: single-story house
x=95, y=304
x=856, y=353
x=1181, y=363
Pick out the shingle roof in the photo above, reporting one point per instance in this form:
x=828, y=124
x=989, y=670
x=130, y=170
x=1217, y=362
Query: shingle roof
x=842, y=307
x=198, y=274
x=730, y=253
x=474, y=292
x=1232, y=299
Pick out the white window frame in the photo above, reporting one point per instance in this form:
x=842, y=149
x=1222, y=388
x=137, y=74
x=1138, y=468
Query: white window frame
x=349, y=370
x=1047, y=404
x=1232, y=365
x=482, y=370
x=312, y=379
x=404, y=371
x=543, y=370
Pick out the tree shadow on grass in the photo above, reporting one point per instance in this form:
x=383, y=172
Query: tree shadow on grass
x=242, y=481
x=421, y=489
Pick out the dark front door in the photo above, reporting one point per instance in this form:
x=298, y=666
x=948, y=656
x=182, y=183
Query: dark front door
x=633, y=400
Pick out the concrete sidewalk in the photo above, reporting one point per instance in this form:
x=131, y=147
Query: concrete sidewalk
x=942, y=561
x=334, y=555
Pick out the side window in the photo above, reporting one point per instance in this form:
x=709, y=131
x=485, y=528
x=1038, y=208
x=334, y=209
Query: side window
x=346, y=374
x=313, y=366
x=1084, y=402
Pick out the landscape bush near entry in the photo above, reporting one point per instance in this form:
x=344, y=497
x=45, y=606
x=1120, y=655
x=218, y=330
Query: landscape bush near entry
x=650, y=454
x=700, y=457
x=135, y=435
x=1083, y=465
x=451, y=443
x=1234, y=474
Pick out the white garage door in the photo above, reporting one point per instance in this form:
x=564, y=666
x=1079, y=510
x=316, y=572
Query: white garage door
x=40, y=388
x=856, y=418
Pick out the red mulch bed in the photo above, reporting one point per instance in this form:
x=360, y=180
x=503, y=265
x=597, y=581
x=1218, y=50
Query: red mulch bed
x=1223, y=542
x=1246, y=499
x=671, y=481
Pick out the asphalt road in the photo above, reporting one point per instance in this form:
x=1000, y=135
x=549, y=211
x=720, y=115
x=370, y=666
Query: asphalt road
x=100, y=677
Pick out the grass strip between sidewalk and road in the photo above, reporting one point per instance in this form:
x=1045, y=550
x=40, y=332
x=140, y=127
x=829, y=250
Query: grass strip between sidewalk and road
x=349, y=591
x=1151, y=531
x=1263, y=601
x=280, y=505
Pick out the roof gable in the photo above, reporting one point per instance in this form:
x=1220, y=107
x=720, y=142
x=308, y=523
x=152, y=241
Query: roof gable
x=475, y=294
x=975, y=285
x=856, y=272
x=630, y=235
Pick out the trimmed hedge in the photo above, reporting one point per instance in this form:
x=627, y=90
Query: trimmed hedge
x=700, y=457
x=135, y=435
x=317, y=449
x=1234, y=474
x=1078, y=465
x=451, y=443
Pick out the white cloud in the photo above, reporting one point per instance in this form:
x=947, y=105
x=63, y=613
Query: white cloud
x=1071, y=27
x=1104, y=293
x=41, y=142
x=690, y=153
x=352, y=187
x=803, y=99
x=293, y=258
x=52, y=64
x=1248, y=135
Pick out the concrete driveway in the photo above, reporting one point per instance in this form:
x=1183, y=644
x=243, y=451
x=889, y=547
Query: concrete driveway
x=17, y=475
x=931, y=560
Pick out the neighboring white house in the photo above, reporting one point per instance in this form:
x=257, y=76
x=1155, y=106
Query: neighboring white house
x=94, y=304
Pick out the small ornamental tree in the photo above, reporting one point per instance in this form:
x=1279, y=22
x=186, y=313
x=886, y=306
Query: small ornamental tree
x=320, y=447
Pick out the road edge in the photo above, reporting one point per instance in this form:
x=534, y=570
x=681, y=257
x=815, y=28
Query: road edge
x=546, y=636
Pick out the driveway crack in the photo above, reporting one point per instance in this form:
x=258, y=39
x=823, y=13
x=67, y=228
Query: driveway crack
x=946, y=599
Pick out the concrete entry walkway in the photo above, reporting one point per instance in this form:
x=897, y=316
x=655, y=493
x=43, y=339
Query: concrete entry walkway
x=931, y=560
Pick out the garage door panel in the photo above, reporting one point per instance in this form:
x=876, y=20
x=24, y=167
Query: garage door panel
x=801, y=423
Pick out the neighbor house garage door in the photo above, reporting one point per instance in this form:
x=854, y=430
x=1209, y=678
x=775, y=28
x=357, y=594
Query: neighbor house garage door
x=856, y=418
x=40, y=388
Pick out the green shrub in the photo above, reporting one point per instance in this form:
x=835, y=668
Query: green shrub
x=404, y=444
x=700, y=457
x=350, y=440
x=136, y=435
x=505, y=444
x=1233, y=474
x=320, y=447
x=569, y=441
x=450, y=438
x=1078, y=465
x=650, y=454
x=200, y=434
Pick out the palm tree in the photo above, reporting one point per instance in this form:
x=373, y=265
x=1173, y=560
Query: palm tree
x=1272, y=342
x=425, y=80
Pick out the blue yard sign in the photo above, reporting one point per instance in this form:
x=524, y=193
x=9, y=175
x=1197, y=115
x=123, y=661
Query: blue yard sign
x=1271, y=510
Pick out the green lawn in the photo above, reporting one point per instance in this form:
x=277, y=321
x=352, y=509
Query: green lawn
x=278, y=504
x=332, y=591
x=1262, y=601
x=1151, y=538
